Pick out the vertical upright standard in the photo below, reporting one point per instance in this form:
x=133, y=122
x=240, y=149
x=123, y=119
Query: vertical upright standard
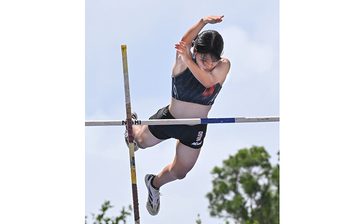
x=129, y=125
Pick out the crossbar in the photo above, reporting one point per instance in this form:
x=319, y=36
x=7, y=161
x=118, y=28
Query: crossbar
x=191, y=121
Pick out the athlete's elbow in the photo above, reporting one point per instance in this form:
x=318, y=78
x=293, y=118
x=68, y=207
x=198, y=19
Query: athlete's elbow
x=208, y=84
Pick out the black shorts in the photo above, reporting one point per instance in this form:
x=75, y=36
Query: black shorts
x=189, y=135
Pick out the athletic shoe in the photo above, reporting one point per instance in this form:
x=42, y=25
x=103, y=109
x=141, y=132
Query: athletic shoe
x=134, y=117
x=153, y=202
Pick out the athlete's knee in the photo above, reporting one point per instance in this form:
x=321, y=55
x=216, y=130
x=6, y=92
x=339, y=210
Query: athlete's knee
x=139, y=139
x=179, y=174
x=140, y=142
x=144, y=138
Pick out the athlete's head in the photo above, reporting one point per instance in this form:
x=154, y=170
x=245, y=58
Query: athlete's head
x=209, y=42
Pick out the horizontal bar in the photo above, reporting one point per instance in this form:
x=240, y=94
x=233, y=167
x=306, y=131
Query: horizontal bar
x=191, y=121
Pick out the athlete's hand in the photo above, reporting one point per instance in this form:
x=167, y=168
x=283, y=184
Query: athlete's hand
x=213, y=19
x=183, y=51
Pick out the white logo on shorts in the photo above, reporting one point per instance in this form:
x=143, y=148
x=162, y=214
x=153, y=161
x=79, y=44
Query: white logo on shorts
x=198, y=139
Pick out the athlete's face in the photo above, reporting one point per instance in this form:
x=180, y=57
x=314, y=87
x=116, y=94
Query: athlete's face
x=206, y=61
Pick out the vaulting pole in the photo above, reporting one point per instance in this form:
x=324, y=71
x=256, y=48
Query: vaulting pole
x=129, y=126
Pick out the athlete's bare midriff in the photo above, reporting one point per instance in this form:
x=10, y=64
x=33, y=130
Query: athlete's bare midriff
x=180, y=109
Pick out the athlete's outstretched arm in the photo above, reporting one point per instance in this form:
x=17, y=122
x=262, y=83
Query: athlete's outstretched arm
x=191, y=33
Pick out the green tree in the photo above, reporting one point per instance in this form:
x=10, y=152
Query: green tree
x=198, y=220
x=102, y=218
x=246, y=188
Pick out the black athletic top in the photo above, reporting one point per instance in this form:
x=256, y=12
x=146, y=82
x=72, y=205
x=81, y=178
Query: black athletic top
x=186, y=87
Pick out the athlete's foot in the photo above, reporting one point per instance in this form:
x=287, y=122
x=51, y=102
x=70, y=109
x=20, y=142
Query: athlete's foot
x=153, y=202
x=134, y=117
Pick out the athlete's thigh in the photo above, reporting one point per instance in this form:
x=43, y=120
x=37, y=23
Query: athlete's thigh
x=186, y=156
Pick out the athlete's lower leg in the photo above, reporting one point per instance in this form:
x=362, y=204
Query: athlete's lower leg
x=183, y=162
x=168, y=174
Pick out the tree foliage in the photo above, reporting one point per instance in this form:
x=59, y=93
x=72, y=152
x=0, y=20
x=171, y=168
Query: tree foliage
x=246, y=188
x=102, y=218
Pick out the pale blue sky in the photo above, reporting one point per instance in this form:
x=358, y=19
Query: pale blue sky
x=150, y=29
